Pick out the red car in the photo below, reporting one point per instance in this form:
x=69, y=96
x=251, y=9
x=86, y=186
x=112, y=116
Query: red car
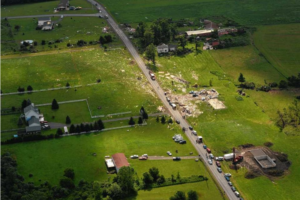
x=143, y=158
x=208, y=150
x=218, y=164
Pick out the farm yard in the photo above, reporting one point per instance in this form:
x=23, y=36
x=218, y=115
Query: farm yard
x=70, y=31
x=45, y=8
x=246, y=13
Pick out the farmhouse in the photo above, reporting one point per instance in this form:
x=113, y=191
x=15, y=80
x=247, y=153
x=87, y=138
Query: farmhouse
x=32, y=118
x=45, y=23
x=63, y=5
x=164, y=48
x=119, y=161
x=225, y=31
x=199, y=33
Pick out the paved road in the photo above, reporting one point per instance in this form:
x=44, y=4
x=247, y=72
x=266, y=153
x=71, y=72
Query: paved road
x=53, y=15
x=171, y=157
x=160, y=93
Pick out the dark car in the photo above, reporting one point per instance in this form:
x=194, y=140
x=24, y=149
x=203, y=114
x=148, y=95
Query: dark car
x=219, y=169
x=176, y=158
x=177, y=121
x=182, y=142
x=233, y=188
x=191, y=128
x=218, y=164
x=229, y=183
x=227, y=179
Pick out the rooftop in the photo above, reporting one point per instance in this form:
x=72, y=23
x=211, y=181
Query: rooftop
x=120, y=160
x=198, y=32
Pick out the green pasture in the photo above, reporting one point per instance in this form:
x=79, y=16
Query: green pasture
x=243, y=12
x=205, y=190
x=242, y=121
x=46, y=8
x=72, y=29
x=281, y=46
x=51, y=157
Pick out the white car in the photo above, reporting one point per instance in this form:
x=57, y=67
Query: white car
x=227, y=174
x=220, y=158
x=211, y=156
x=237, y=193
x=210, y=161
x=169, y=153
x=134, y=156
x=145, y=155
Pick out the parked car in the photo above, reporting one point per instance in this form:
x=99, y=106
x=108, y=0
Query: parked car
x=211, y=156
x=169, y=153
x=237, y=193
x=204, y=146
x=191, y=128
x=218, y=164
x=219, y=169
x=176, y=158
x=191, y=92
x=229, y=183
x=219, y=158
x=195, y=95
x=143, y=158
x=177, y=121
x=208, y=150
x=194, y=132
x=134, y=156
x=227, y=174
x=227, y=178
x=168, y=99
x=209, y=161
x=145, y=155
x=182, y=142
x=233, y=188
x=183, y=129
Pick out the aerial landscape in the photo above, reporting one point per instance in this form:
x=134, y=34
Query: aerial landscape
x=150, y=100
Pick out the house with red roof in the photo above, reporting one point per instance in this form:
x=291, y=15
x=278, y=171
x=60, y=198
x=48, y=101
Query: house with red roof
x=120, y=160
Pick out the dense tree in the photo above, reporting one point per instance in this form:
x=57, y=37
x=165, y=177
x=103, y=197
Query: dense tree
x=17, y=27
x=147, y=39
x=283, y=84
x=82, y=127
x=24, y=104
x=29, y=88
x=115, y=191
x=81, y=43
x=72, y=128
x=54, y=105
x=125, y=180
x=69, y=173
x=197, y=44
x=140, y=30
x=59, y=131
x=20, y=89
x=147, y=179
x=101, y=125
x=161, y=180
x=67, y=183
x=192, y=195
x=163, y=120
x=68, y=84
x=77, y=129
x=182, y=41
x=241, y=78
x=108, y=38
x=102, y=40
x=150, y=53
x=178, y=196
x=131, y=121
x=87, y=128
x=170, y=121
x=68, y=120
x=20, y=121
x=178, y=176
x=43, y=42
x=140, y=121
x=154, y=172
x=96, y=126
x=157, y=119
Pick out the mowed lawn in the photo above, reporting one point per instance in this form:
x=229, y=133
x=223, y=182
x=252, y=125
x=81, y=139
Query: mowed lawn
x=244, y=12
x=45, y=8
x=72, y=29
x=205, y=190
x=281, y=46
x=46, y=160
x=242, y=121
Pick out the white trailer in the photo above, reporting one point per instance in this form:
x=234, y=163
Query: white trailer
x=228, y=156
x=66, y=130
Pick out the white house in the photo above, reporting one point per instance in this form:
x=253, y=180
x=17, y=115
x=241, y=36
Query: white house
x=164, y=48
x=42, y=20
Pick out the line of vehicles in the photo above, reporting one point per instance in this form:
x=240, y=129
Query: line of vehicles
x=143, y=157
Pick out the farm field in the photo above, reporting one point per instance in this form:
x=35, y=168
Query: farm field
x=106, y=97
x=72, y=29
x=45, y=8
x=76, y=152
x=242, y=121
x=281, y=46
x=243, y=12
x=186, y=168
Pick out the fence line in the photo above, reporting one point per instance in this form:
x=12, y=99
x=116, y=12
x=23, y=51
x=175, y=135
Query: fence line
x=12, y=130
x=118, y=113
x=107, y=129
x=45, y=90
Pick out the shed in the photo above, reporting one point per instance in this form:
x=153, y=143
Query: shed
x=109, y=163
x=199, y=32
x=42, y=20
x=119, y=161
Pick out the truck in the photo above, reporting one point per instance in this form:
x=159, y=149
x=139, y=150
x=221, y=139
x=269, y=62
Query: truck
x=152, y=75
x=173, y=105
x=238, y=159
x=228, y=156
x=199, y=139
x=66, y=130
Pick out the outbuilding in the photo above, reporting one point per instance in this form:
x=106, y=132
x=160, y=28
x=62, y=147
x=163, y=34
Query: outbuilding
x=119, y=161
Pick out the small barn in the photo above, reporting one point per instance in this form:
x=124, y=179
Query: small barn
x=63, y=5
x=119, y=161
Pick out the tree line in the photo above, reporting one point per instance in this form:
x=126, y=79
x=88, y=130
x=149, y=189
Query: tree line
x=12, y=2
x=289, y=116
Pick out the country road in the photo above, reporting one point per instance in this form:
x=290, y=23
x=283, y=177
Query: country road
x=160, y=93
x=171, y=157
x=52, y=15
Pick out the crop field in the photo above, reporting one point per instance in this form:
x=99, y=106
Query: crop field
x=242, y=121
x=206, y=190
x=78, y=68
x=72, y=29
x=243, y=12
x=45, y=8
x=281, y=46
x=51, y=157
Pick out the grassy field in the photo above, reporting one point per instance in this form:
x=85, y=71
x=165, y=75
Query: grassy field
x=242, y=121
x=52, y=156
x=79, y=68
x=205, y=190
x=45, y=8
x=281, y=46
x=247, y=61
x=244, y=12
x=72, y=29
